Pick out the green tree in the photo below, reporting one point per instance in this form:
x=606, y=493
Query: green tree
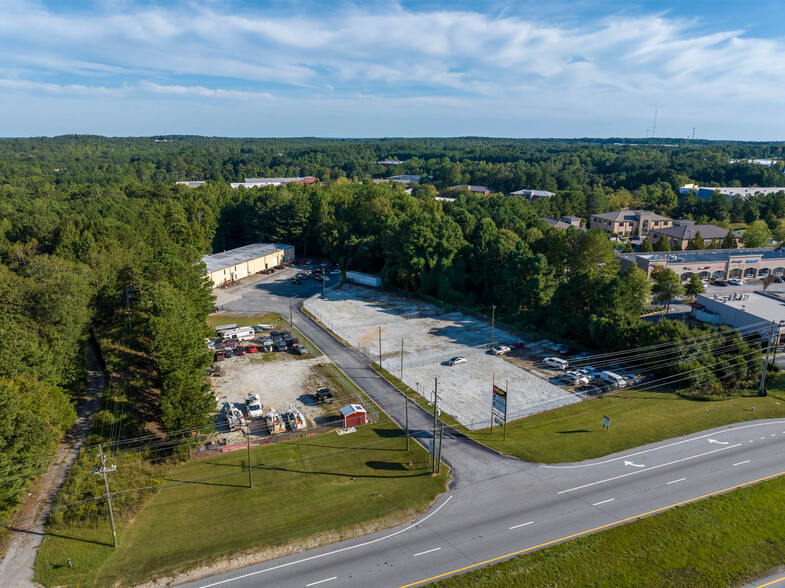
x=696, y=243
x=662, y=244
x=667, y=286
x=646, y=245
x=729, y=242
x=694, y=286
x=756, y=235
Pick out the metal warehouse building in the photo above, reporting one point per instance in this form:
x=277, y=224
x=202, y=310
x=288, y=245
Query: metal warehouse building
x=757, y=312
x=239, y=263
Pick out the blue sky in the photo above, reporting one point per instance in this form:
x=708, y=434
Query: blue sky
x=368, y=69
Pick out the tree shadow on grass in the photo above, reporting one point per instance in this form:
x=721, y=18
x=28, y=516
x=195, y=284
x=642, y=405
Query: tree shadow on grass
x=574, y=431
x=376, y=465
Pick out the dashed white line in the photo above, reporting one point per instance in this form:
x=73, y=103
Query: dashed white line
x=429, y=551
x=742, y=462
x=674, y=481
x=762, y=438
x=321, y=581
x=752, y=440
x=773, y=435
x=522, y=525
x=662, y=465
x=603, y=502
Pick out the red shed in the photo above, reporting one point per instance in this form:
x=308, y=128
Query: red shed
x=353, y=415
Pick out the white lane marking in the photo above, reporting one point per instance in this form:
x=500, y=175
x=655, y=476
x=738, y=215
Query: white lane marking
x=424, y=552
x=773, y=435
x=320, y=555
x=742, y=462
x=731, y=428
x=674, y=481
x=752, y=440
x=522, y=525
x=635, y=465
x=762, y=438
x=662, y=465
x=321, y=581
x=603, y=502
x=718, y=442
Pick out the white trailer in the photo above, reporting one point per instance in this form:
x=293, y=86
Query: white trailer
x=365, y=279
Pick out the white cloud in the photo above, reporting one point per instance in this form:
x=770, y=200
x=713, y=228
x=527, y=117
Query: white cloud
x=620, y=67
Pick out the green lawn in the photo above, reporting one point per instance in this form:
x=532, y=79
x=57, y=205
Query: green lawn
x=305, y=492
x=574, y=432
x=721, y=541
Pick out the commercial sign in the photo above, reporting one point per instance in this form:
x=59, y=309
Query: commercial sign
x=606, y=421
x=499, y=400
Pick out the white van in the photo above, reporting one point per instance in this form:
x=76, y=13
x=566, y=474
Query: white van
x=613, y=378
x=556, y=362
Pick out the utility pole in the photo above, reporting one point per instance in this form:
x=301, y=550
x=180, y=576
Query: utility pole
x=401, y=359
x=506, y=404
x=493, y=320
x=439, y=459
x=324, y=285
x=493, y=393
x=406, y=406
x=380, y=348
x=435, y=401
x=248, y=447
x=291, y=324
x=103, y=470
x=777, y=336
x=761, y=387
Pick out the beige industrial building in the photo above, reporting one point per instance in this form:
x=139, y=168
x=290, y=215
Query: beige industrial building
x=239, y=263
x=757, y=312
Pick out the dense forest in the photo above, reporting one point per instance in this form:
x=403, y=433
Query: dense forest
x=94, y=233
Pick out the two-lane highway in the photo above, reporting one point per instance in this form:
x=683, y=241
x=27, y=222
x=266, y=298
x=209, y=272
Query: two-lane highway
x=502, y=507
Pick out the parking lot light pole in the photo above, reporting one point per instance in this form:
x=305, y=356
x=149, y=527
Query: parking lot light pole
x=493, y=320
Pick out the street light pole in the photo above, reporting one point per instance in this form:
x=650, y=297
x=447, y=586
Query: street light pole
x=493, y=321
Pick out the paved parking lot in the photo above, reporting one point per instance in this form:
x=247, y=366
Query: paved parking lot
x=430, y=338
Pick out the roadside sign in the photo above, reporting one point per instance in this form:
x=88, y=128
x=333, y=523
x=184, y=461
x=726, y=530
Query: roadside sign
x=606, y=422
x=499, y=400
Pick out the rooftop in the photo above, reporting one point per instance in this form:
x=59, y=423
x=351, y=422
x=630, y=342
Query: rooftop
x=768, y=307
x=630, y=215
x=471, y=188
x=689, y=231
x=533, y=193
x=219, y=261
x=711, y=255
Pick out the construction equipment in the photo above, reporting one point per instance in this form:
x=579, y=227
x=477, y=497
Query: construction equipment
x=275, y=423
x=295, y=419
x=234, y=417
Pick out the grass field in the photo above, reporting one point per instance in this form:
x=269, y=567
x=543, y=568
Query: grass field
x=574, y=432
x=305, y=493
x=721, y=541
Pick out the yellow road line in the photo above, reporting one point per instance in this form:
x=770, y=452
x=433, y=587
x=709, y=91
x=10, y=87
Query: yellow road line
x=656, y=510
x=772, y=582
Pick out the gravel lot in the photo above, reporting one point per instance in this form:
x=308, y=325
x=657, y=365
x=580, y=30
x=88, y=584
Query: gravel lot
x=279, y=382
x=430, y=338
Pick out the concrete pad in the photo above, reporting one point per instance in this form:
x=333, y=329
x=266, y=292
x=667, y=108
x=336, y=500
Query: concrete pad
x=430, y=338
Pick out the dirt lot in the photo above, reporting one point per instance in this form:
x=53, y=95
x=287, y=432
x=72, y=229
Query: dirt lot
x=430, y=338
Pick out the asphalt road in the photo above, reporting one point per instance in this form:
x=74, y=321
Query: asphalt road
x=486, y=521
x=500, y=507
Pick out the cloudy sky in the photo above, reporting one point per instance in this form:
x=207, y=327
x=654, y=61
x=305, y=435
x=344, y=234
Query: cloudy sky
x=544, y=68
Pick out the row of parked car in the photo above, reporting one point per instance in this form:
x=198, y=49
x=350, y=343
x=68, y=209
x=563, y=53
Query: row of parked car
x=276, y=341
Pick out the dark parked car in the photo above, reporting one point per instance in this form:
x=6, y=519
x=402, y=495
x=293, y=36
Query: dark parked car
x=229, y=352
x=722, y=283
x=239, y=350
x=324, y=395
x=220, y=356
x=299, y=349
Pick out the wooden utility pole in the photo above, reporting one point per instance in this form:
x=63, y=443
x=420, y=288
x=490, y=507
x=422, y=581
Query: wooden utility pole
x=248, y=447
x=493, y=321
x=762, y=385
x=380, y=348
x=439, y=459
x=493, y=394
x=291, y=323
x=103, y=470
x=401, y=359
x=406, y=400
x=506, y=403
x=435, y=404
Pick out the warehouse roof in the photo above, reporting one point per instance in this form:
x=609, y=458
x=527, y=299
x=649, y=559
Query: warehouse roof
x=768, y=307
x=219, y=261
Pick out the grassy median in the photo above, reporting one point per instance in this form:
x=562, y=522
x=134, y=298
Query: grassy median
x=575, y=432
x=726, y=540
x=305, y=493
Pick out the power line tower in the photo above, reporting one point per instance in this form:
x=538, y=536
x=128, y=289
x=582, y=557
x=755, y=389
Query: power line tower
x=103, y=470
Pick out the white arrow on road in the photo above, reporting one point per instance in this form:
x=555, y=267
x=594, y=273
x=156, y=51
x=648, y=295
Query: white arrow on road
x=718, y=442
x=635, y=465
